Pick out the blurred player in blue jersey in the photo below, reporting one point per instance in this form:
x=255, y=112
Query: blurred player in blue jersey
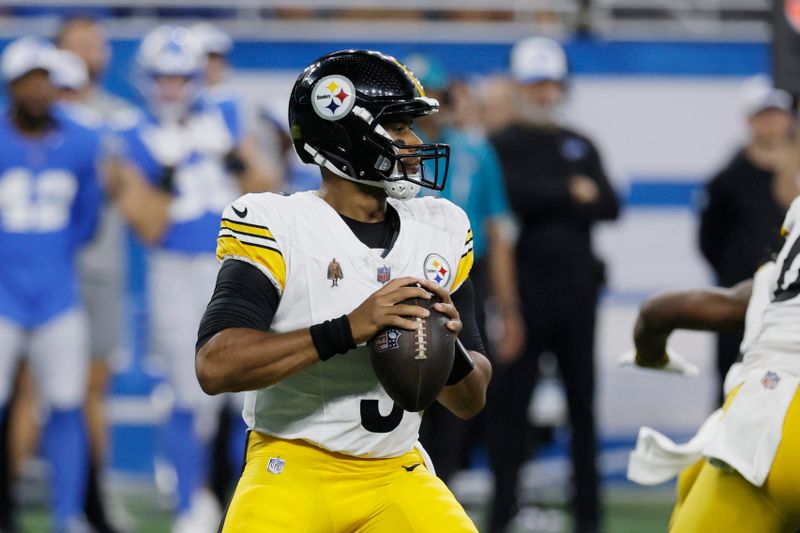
x=49, y=199
x=228, y=447
x=173, y=188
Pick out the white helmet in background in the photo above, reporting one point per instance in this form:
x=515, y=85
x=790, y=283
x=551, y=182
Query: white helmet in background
x=70, y=71
x=212, y=39
x=538, y=59
x=170, y=51
x=24, y=55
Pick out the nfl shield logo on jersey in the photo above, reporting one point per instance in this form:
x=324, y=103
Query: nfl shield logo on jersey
x=275, y=465
x=387, y=340
x=384, y=274
x=770, y=380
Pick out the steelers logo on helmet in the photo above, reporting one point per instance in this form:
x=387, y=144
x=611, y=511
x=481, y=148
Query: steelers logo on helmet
x=333, y=97
x=437, y=269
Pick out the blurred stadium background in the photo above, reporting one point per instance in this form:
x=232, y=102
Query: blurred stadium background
x=657, y=83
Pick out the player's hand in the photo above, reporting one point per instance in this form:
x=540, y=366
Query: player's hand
x=512, y=341
x=445, y=305
x=583, y=189
x=671, y=362
x=382, y=309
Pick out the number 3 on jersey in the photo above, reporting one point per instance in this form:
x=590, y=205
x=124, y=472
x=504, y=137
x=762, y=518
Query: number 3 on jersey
x=36, y=203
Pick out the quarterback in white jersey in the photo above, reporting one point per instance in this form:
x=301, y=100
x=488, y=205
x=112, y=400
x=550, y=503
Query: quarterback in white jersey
x=751, y=463
x=328, y=448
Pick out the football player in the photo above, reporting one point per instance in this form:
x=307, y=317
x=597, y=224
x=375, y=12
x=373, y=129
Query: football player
x=102, y=265
x=49, y=201
x=328, y=449
x=172, y=187
x=748, y=480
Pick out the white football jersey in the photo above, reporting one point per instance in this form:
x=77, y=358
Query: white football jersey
x=780, y=334
x=323, y=271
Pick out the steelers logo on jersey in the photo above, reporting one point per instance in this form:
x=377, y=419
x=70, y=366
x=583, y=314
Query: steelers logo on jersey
x=437, y=269
x=333, y=97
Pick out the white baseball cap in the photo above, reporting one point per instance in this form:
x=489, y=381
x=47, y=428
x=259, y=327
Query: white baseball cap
x=70, y=71
x=212, y=39
x=538, y=59
x=24, y=55
x=760, y=95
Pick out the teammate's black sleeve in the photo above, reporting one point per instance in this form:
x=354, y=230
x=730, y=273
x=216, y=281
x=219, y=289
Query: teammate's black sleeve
x=464, y=300
x=243, y=298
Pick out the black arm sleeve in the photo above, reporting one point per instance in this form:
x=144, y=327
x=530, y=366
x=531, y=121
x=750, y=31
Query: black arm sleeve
x=243, y=298
x=464, y=300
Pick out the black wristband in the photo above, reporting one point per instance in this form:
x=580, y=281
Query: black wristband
x=462, y=365
x=332, y=337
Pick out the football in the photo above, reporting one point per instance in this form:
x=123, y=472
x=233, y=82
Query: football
x=413, y=366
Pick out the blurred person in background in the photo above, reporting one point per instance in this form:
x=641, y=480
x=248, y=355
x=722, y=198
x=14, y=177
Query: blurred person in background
x=219, y=93
x=557, y=189
x=228, y=446
x=180, y=168
x=745, y=201
x=103, y=264
x=49, y=204
x=475, y=183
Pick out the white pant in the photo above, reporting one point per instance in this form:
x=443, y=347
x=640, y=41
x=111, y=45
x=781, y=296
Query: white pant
x=180, y=287
x=58, y=352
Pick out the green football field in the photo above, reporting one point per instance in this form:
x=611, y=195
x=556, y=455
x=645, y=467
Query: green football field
x=627, y=510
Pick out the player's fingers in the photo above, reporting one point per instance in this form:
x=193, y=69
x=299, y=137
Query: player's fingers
x=408, y=311
x=455, y=326
x=404, y=293
x=396, y=283
x=437, y=289
x=448, y=309
x=399, y=322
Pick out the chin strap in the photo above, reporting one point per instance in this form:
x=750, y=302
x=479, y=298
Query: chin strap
x=399, y=189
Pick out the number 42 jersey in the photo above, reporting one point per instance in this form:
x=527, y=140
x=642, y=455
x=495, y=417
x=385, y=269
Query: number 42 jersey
x=49, y=202
x=323, y=271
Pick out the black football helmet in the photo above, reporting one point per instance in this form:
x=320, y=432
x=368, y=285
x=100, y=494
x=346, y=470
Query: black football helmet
x=336, y=112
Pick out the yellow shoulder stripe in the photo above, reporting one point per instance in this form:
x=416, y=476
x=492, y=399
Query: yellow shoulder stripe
x=464, y=267
x=247, y=229
x=269, y=260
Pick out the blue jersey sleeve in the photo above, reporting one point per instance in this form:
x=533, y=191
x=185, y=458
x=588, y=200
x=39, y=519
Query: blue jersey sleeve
x=230, y=112
x=89, y=197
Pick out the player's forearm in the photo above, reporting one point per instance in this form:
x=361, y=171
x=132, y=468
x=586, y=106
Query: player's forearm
x=146, y=209
x=466, y=398
x=702, y=309
x=239, y=359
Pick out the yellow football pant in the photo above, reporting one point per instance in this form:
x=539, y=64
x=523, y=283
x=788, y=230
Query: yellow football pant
x=316, y=491
x=711, y=500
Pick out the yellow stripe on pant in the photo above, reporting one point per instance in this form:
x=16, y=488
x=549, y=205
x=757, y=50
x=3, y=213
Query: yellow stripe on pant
x=719, y=501
x=296, y=487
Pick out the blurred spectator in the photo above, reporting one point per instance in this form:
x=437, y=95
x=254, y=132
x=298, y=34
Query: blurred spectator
x=49, y=203
x=497, y=108
x=558, y=189
x=474, y=183
x=85, y=55
x=219, y=93
x=745, y=202
x=182, y=167
x=228, y=446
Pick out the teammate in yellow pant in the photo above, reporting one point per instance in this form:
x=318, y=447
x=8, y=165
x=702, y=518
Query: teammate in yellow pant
x=722, y=501
x=295, y=487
